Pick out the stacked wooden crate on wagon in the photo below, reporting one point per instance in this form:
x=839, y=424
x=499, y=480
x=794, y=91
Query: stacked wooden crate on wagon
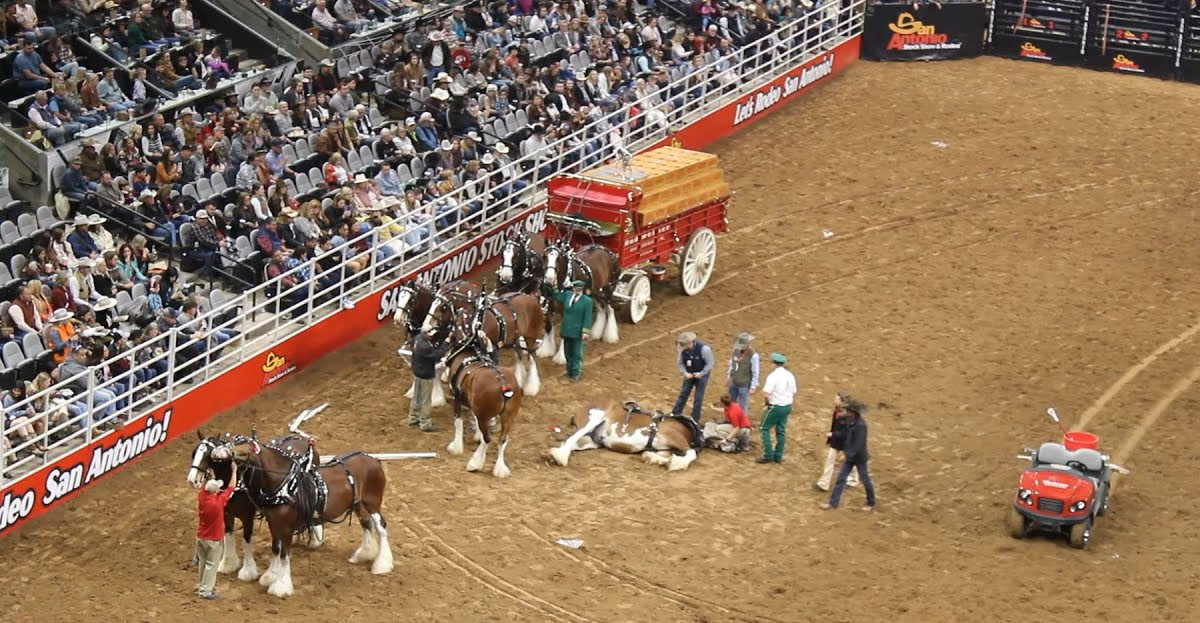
x=672, y=180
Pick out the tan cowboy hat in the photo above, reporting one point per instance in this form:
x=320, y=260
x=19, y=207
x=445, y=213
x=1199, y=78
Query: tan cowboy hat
x=105, y=303
x=442, y=77
x=61, y=314
x=81, y=220
x=501, y=148
x=86, y=262
x=96, y=219
x=446, y=145
x=487, y=159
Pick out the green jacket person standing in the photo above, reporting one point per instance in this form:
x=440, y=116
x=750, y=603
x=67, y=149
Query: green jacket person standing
x=576, y=326
x=779, y=391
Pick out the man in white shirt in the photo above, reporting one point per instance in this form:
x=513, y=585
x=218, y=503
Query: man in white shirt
x=778, y=393
x=181, y=17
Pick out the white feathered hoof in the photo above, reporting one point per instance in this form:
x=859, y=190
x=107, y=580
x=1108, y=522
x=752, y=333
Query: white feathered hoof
x=560, y=355
x=501, y=470
x=229, y=561
x=680, y=463
x=318, y=537
x=411, y=388
x=560, y=455
x=281, y=588
x=546, y=348
x=248, y=572
x=383, y=562
x=598, y=321
x=437, y=397
x=533, y=380
x=611, y=335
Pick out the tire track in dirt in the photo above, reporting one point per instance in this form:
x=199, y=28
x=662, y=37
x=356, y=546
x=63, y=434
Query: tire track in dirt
x=639, y=582
x=477, y=572
x=876, y=267
x=1147, y=422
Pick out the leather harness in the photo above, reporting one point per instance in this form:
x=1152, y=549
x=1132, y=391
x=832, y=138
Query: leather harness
x=696, y=440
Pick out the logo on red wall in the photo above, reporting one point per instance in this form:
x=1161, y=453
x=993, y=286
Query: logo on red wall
x=275, y=367
x=763, y=100
x=911, y=34
x=1124, y=63
x=1029, y=50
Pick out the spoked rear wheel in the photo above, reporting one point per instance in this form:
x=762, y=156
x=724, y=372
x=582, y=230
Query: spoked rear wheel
x=699, y=258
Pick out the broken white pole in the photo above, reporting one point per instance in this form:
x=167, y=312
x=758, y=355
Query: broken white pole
x=390, y=456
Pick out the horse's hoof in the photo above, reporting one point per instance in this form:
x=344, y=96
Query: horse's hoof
x=247, y=575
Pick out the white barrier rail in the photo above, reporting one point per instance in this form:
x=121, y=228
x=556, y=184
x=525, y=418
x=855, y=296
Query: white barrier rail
x=159, y=370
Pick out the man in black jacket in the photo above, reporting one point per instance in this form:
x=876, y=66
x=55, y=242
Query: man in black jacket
x=425, y=355
x=843, y=404
x=856, y=458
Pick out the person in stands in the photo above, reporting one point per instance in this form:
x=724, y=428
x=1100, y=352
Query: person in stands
x=210, y=535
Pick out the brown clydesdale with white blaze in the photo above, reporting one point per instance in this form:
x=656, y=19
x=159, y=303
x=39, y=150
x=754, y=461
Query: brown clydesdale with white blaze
x=240, y=506
x=661, y=439
x=522, y=269
x=486, y=391
x=596, y=266
x=413, y=302
x=354, y=483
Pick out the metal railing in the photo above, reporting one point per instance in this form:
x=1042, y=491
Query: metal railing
x=158, y=370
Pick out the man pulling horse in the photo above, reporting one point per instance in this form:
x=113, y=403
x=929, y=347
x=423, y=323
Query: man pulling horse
x=599, y=268
x=661, y=439
x=297, y=501
x=414, y=299
x=241, y=506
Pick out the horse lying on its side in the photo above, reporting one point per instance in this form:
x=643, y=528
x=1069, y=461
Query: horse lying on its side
x=661, y=439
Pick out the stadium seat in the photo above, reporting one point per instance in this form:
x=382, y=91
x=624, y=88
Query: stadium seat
x=303, y=185
x=27, y=224
x=189, y=190
x=123, y=300
x=9, y=232
x=418, y=167
x=185, y=235
x=32, y=345
x=365, y=154
x=403, y=173
x=522, y=121
x=204, y=189
x=354, y=162
x=11, y=353
x=303, y=149
x=18, y=263
x=46, y=218
x=290, y=153
x=138, y=290
x=291, y=186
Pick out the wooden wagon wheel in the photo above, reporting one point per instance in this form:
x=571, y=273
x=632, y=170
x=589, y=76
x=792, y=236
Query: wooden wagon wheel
x=635, y=290
x=699, y=259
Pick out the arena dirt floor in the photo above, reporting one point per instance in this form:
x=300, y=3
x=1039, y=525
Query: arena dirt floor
x=1006, y=237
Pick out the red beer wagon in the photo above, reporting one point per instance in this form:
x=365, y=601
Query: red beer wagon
x=660, y=207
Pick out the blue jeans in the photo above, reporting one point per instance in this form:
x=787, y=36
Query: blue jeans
x=741, y=395
x=863, y=476
x=697, y=401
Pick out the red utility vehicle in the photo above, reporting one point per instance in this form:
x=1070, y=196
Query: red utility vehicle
x=1064, y=490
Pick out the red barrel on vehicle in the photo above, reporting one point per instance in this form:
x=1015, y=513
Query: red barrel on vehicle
x=1078, y=440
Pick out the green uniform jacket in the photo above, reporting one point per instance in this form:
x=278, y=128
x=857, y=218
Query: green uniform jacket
x=576, y=317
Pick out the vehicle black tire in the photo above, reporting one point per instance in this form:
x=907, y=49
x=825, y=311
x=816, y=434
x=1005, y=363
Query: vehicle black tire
x=1081, y=534
x=1018, y=525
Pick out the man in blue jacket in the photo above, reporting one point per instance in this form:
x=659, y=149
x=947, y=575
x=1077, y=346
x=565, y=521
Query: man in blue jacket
x=695, y=364
x=856, y=455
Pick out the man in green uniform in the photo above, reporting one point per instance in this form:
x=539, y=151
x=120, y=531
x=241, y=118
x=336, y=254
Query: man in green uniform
x=576, y=326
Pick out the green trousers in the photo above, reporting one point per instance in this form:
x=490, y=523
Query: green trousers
x=573, y=350
x=774, y=418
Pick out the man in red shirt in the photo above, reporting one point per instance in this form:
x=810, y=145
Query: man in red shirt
x=734, y=434
x=210, y=537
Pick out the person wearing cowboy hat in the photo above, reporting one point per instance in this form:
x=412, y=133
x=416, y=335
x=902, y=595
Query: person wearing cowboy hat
x=742, y=374
x=101, y=236
x=74, y=184
x=435, y=55
x=856, y=458
x=81, y=240
x=843, y=405
x=425, y=355
x=695, y=362
x=779, y=391
x=576, y=326
x=427, y=133
x=83, y=284
x=207, y=239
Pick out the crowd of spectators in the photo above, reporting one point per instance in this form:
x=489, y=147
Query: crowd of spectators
x=286, y=173
x=153, y=51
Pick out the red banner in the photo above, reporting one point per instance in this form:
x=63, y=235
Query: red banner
x=67, y=476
